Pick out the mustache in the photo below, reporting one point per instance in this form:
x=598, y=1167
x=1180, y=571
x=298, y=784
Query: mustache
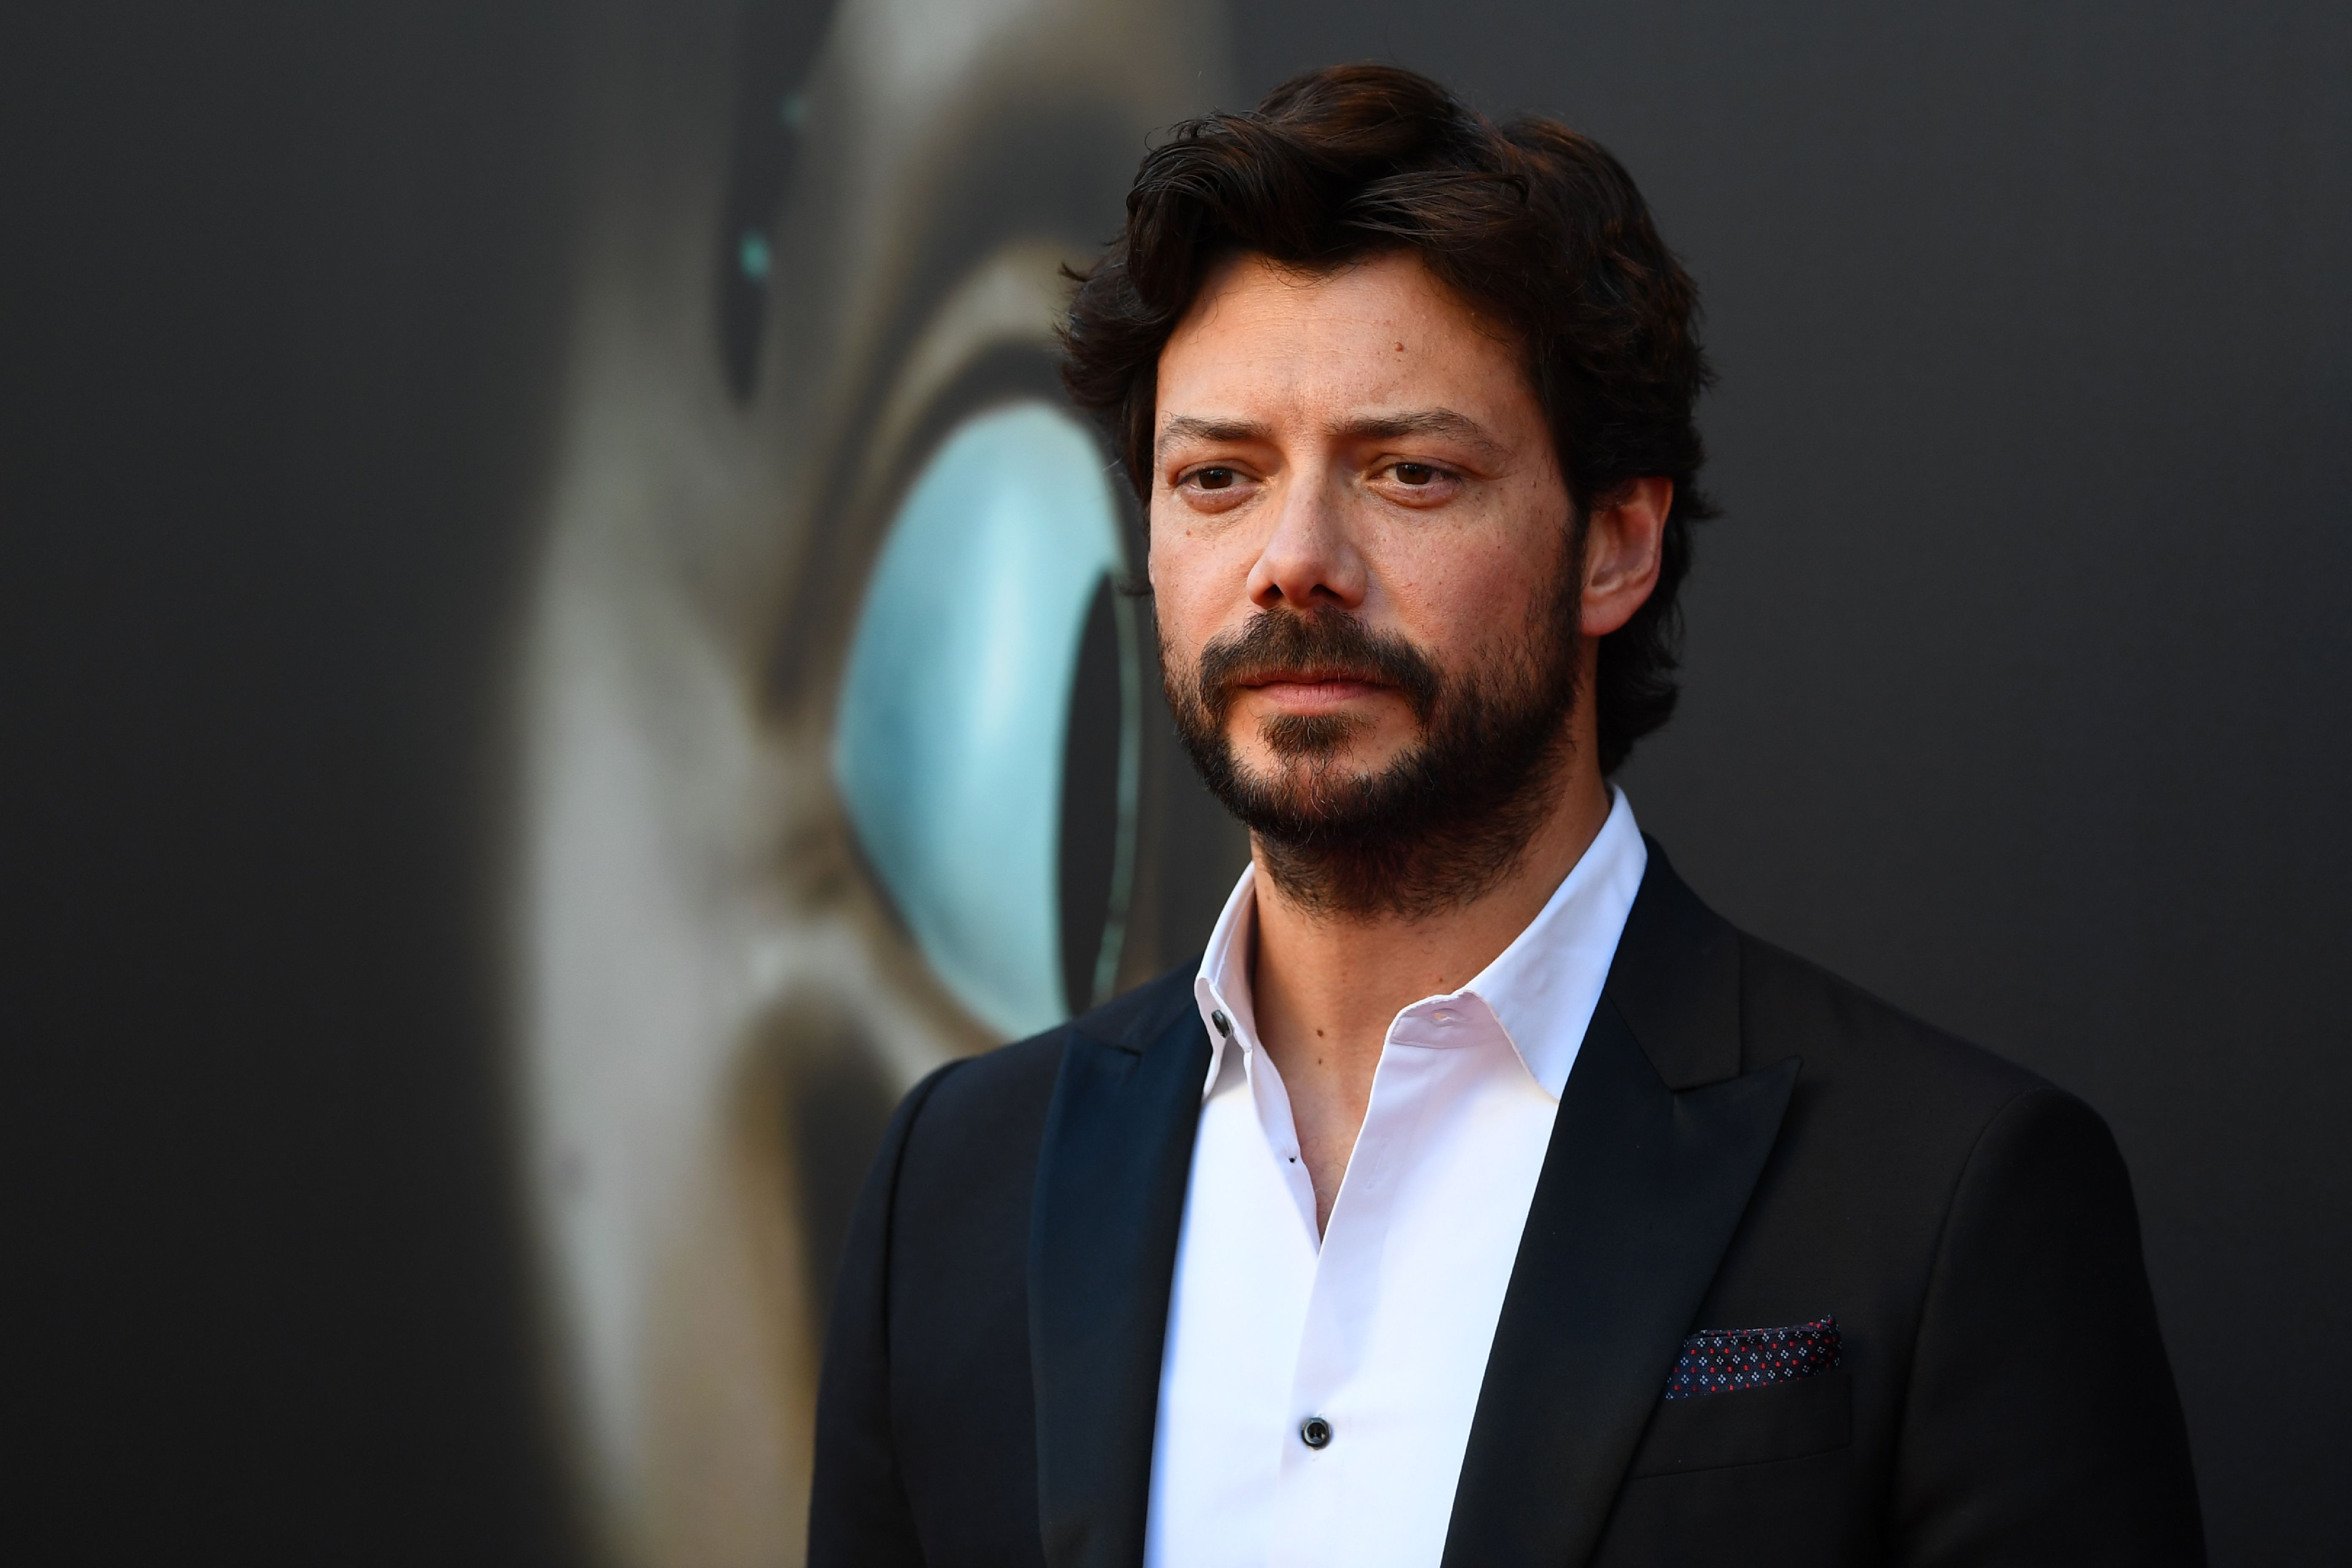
x=1325, y=644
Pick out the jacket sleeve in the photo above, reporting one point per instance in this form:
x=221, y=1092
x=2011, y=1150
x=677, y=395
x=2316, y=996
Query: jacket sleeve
x=859, y=1513
x=2042, y=1424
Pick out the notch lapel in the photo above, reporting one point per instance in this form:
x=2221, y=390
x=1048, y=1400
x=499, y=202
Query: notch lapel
x=1644, y=1184
x=1111, y=1175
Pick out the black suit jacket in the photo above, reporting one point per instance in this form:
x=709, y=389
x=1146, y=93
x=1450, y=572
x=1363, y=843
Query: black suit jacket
x=1744, y=1142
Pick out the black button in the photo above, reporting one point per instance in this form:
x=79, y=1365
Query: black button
x=1224, y=1024
x=1314, y=1432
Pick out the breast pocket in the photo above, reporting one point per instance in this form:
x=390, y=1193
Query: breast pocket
x=1750, y=1426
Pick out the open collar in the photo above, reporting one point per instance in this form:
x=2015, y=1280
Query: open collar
x=1658, y=1143
x=1540, y=990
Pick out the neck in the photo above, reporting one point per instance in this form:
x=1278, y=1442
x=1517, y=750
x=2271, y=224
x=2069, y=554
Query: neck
x=1325, y=986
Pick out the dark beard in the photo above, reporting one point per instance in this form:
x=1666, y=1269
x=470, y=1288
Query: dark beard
x=1445, y=821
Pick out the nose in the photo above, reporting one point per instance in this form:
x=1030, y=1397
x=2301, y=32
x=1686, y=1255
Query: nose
x=1310, y=559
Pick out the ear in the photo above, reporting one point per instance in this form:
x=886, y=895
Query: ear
x=1621, y=541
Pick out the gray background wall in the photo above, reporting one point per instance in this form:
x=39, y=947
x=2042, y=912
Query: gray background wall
x=2016, y=681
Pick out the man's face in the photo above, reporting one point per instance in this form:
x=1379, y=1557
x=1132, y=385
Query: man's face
x=1360, y=555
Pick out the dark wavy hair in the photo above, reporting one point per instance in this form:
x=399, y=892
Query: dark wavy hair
x=1527, y=220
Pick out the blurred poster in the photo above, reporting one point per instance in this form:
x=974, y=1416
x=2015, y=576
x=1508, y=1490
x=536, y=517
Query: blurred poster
x=842, y=752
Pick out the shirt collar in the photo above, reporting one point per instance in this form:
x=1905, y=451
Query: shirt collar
x=1541, y=989
x=1222, y=986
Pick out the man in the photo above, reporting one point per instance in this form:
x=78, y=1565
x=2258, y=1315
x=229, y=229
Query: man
x=1482, y=1198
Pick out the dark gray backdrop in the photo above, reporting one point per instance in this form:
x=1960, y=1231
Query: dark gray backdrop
x=2017, y=674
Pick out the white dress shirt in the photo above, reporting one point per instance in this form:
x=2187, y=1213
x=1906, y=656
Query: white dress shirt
x=1379, y=1329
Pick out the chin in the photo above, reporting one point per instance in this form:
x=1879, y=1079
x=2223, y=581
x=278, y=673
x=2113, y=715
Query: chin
x=1299, y=780
x=1355, y=758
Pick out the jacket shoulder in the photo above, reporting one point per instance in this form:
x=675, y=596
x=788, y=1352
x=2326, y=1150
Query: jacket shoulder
x=1790, y=1006
x=1005, y=1093
x=991, y=1085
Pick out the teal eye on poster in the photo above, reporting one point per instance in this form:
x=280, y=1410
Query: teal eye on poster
x=991, y=667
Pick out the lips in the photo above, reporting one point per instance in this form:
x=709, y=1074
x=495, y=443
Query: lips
x=1307, y=693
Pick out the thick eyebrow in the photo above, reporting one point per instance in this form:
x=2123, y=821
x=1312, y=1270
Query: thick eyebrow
x=1193, y=427
x=1444, y=422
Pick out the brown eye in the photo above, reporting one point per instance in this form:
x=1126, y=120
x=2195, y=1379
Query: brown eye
x=1415, y=474
x=1215, y=479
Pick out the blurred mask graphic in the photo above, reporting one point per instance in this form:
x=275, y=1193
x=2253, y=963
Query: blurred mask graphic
x=837, y=753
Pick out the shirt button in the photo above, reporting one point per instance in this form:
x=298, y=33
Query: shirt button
x=1314, y=1432
x=1442, y=1017
x=1224, y=1024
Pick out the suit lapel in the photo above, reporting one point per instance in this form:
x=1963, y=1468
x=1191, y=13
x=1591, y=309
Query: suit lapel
x=1648, y=1172
x=1111, y=1173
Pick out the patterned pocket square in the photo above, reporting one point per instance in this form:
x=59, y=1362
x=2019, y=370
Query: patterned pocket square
x=1723, y=1361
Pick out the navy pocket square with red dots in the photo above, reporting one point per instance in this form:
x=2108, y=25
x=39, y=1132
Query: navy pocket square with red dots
x=1724, y=1360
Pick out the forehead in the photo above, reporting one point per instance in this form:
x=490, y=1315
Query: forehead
x=1383, y=332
